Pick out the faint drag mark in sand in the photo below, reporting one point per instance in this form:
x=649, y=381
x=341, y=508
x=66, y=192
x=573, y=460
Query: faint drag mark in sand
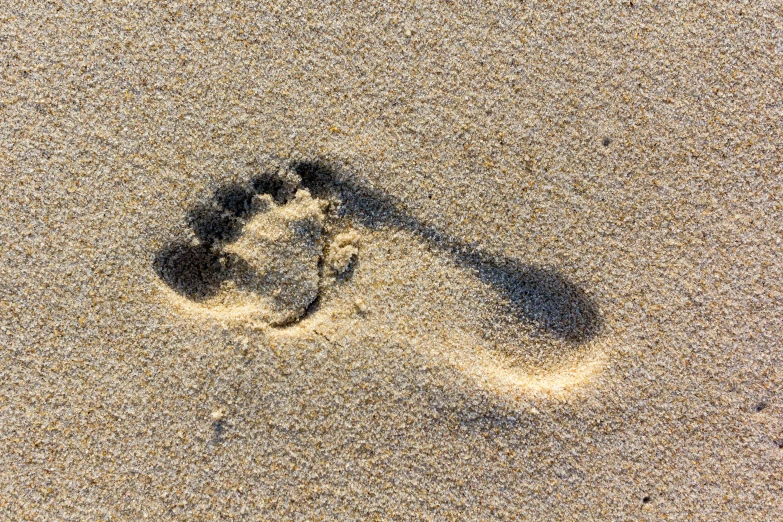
x=271, y=250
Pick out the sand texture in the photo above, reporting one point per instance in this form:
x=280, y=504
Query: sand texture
x=372, y=261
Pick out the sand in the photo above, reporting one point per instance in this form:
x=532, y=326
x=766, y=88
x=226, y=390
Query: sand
x=537, y=276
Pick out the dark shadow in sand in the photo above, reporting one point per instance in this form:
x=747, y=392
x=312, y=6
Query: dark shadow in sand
x=197, y=271
x=194, y=271
x=539, y=295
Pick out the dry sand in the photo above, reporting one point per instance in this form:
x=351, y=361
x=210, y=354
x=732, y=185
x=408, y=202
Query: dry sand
x=550, y=278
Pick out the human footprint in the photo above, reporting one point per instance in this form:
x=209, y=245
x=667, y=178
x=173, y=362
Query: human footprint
x=258, y=251
x=270, y=249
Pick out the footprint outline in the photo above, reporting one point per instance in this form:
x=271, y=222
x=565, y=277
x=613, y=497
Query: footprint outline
x=542, y=296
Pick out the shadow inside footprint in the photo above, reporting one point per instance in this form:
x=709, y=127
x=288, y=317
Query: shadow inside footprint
x=197, y=271
x=194, y=271
x=250, y=250
x=539, y=295
x=220, y=219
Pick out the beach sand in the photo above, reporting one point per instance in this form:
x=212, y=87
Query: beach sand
x=529, y=258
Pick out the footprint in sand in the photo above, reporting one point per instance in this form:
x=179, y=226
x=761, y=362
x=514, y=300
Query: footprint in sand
x=260, y=250
x=272, y=249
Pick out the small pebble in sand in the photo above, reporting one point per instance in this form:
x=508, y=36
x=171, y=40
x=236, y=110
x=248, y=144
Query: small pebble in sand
x=343, y=251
